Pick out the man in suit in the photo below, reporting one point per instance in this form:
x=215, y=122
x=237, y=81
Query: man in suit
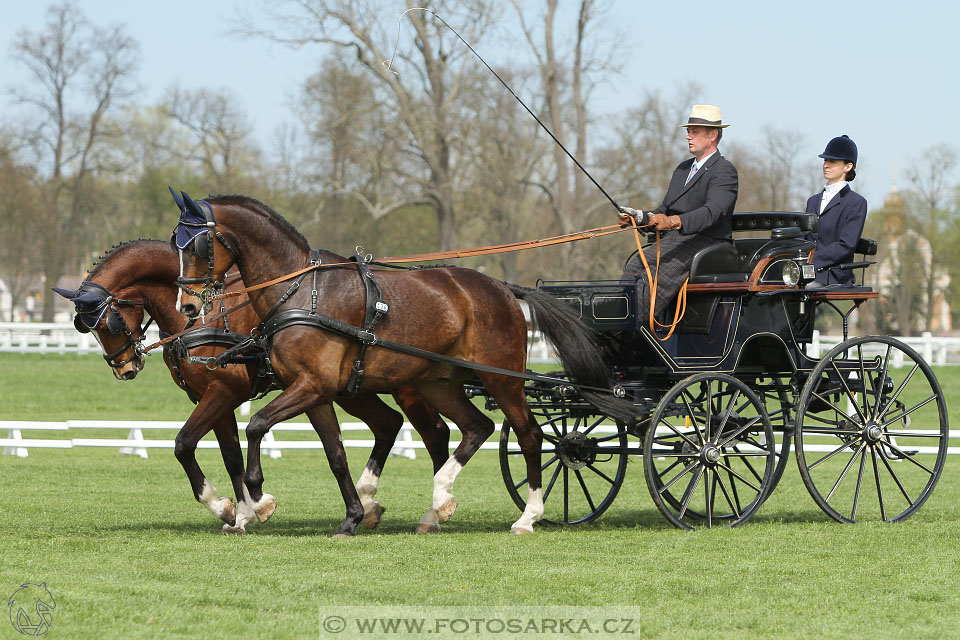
x=842, y=214
x=696, y=212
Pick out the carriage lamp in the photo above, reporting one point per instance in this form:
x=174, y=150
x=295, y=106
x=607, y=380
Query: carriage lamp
x=790, y=273
x=808, y=271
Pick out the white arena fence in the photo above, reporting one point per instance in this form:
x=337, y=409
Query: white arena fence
x=135, y=443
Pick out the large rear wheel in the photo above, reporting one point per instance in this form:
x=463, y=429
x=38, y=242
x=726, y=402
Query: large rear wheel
x=872, y=431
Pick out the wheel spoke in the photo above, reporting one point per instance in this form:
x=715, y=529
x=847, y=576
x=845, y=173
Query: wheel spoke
x=691, y=487
x=737, y=433
x=903, y=455
x=883, y=376
x=685, y=471
x=876, y=475
x=896, y=478
x=708, y=494
x=740, y=477
x=553, y=480
x=845, y=445
x=600, y=473
x=830, y=431
x=835, y=407
x=909, y=411
x=543, y=467
x=750, y=466
x=856, y=495
x=600, y=420
x=693, y=418
x=726, y=495
x=843, y=473
x=726, y=415
x=682, y=435
x=851, y=397
x=900, y=387
x=709, y=403
x=586, y=492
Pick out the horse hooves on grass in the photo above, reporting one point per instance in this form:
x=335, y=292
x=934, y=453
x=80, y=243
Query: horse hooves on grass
x=426, y=527
x=229, y=514
x=230, y=529
x=446, y=511
x=265, y=510
x=343, y=535
x=372, y=518
x=520, y=531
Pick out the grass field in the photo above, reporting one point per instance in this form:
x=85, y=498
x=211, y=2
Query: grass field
x=128, y=553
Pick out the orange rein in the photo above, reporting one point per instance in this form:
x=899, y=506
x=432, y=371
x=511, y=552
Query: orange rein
x=469, y=253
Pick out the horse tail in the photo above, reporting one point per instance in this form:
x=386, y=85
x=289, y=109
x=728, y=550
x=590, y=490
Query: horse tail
x=578, y=349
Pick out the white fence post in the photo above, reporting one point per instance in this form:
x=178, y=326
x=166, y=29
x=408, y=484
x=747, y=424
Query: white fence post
x=20, y=452
x=137, y=436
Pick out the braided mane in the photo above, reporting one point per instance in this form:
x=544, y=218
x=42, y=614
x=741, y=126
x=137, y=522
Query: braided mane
x=98, y=264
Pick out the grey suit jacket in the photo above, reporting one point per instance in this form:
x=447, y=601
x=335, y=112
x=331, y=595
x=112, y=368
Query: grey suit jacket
x=705, y=204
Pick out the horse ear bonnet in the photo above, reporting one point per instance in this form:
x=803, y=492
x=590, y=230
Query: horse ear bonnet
x=192, y=222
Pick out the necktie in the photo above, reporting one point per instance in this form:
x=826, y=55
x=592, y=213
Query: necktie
x=693, y=170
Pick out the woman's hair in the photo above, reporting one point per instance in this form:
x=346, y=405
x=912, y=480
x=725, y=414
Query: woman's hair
x=851, y=174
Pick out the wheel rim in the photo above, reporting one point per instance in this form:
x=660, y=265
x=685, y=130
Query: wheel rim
x=872, y=431
x=583, y=462
x=709, y=454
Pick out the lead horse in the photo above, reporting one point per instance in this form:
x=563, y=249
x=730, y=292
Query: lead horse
x=451, y=312
x=138, y=278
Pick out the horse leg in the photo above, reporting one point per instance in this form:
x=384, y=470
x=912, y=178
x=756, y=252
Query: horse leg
x=229, y=441
x=508, y=392
x=450, y=400
x=294, y=400
x=432, y=428
x=208, y=413
x=324, y=421
x=385, y=423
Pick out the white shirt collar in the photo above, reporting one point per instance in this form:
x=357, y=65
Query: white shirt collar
x=700, y=163
x=835, y=187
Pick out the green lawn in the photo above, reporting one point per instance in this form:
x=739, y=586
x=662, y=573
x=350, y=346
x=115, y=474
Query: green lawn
x=128, y=553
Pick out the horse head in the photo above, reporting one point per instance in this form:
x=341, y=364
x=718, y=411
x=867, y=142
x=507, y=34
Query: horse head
x=202, y=268
x=109, y=317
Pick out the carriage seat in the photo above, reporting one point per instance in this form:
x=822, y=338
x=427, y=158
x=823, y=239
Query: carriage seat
x=734, y=263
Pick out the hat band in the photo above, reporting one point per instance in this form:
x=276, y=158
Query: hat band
x=702, y=121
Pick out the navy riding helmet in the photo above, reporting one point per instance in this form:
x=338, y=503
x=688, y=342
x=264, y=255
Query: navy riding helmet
x=841, y=148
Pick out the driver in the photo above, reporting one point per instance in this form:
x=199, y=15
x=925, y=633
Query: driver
x=696, y=213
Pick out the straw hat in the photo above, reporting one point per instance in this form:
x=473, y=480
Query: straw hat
x=704, y=115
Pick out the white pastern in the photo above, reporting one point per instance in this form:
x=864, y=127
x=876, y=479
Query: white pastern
x=208, y=498
x=246, y=512
x=443, y=482
x=367, y=489
x=531, y=514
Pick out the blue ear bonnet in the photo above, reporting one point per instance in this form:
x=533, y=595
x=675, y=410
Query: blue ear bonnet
x=90, y=301
x=193, y=219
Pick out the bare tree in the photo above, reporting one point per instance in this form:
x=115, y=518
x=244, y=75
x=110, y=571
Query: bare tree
x=423, y=88
x=80, y=73
x=18, y=209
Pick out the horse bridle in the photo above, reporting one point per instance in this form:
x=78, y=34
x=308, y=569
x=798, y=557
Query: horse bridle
x=202, y=248
x=109, y=306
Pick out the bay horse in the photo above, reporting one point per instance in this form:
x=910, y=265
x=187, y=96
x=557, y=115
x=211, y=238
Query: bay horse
x=139, y=278
x=454, y=312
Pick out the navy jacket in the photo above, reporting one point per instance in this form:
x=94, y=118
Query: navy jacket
x=705, y=204
x=841, y=225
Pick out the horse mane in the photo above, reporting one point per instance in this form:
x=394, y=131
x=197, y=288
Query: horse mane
x=257, y=206
x=99, y=263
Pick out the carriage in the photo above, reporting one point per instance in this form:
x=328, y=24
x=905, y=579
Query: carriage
x=713, y=408
x=720, y=402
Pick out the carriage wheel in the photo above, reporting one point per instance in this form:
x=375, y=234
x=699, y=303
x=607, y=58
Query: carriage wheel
x=584, y=459
x=709, y=455
x=872, y=431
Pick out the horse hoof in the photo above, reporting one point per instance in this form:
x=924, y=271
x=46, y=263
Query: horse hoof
x=425, y=527
x=229, y=514
x=446, y=511
x=266, y=508
x=520, y=531
x=372, y=518
x=230, y=529
x=343, y=535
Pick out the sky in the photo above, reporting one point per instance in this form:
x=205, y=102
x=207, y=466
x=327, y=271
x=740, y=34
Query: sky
x=882, y=72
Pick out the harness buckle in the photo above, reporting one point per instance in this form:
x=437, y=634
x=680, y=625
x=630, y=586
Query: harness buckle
x=368, y=338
